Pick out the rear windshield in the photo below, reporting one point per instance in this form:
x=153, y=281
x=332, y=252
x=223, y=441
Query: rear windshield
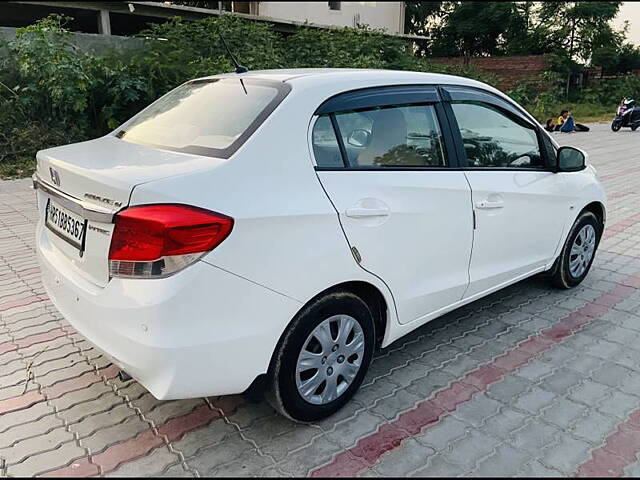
x=206, y=117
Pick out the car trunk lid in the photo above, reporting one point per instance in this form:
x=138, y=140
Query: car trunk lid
x=87, y=183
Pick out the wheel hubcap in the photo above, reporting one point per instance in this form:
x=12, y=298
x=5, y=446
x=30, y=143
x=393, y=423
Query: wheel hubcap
x=330, y=359
x=582, y=251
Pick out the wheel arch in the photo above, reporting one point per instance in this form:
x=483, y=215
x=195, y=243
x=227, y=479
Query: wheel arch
x=368, y=292
x=598, y=209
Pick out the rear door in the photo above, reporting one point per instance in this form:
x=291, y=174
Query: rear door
x=520, y=203
x=384, y=158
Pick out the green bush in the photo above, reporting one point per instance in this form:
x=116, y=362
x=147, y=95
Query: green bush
x=346, y=48
x=541, y=98
x=611, y=91
x=177, y=50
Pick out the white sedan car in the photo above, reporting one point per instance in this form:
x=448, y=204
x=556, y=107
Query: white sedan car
x=272, y=229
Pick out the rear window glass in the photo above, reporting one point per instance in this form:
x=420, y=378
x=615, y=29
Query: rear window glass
x=206, y=117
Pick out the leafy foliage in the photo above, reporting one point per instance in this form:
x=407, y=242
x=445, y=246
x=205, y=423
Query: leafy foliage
x=472, y=28
x=53, y=83
x=420, y=15
x=580, y=28
x=347, y=47
x=577, y=30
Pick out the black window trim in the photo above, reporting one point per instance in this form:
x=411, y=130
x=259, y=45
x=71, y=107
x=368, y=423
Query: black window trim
x=455, y=93
x=389, y=96
x=490, y=99
x=346, y=163
x=282, y=90
x=381, y=96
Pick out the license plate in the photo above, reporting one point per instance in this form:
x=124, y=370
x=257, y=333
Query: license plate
x=67, y=225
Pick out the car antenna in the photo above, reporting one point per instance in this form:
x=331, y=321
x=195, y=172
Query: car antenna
x=239, y=68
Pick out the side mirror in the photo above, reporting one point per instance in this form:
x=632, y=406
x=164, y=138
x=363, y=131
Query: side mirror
x=571, y=159
x=359, y=138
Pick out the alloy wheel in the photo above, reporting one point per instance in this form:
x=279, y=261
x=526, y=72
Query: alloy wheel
x=330, y=359
x=582, y=250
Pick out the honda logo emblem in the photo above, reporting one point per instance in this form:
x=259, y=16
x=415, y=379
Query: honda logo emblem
x=55, y=178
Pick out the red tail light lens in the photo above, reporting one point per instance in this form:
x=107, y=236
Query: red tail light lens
x=150, y=232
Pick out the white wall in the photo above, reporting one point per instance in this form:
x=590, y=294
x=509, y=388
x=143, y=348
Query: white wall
x=387, y=15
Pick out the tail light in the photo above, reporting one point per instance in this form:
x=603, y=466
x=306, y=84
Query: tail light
x=152, y=241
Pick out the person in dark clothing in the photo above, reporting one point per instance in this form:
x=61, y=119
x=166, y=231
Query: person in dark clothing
x=551, y=125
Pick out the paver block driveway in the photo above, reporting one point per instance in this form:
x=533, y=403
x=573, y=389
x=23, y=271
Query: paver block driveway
x=530, y=381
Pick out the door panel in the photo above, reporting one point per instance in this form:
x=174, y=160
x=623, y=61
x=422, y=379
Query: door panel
x=520, y=205
x=519, y=220
x=418, y=236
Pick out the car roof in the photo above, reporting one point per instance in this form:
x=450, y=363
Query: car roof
x=310, y=77
x=323, y=74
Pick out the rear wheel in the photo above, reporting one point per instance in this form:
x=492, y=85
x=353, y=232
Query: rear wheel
x=578, y=252
x=322, y=358
x=634, y=128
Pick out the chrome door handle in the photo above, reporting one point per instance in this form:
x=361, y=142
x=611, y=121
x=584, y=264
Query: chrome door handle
x=366, y=212
x=487, y=205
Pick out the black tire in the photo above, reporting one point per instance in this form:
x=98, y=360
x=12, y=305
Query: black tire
x=634, y=128
x=282, y=390
x=561, y=276
x=616, y=125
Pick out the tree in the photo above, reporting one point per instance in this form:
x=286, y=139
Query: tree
x=580, y=28
x=419, y=16
x=472, y=29
x=526, y=34
x=616, y=60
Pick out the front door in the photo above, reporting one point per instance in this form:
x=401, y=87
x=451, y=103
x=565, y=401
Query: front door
x=520, y=204
x=403, y=209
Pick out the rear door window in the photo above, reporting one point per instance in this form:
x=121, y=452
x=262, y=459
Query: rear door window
x=206, y=117
x=326, y=148
x=397, y=136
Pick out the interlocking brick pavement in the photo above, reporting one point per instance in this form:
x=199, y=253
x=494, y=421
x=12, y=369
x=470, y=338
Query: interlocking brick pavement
x=529, y=381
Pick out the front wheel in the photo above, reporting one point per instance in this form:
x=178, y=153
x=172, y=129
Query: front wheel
x=322, y=358
x=616, y=125
x=579, y=250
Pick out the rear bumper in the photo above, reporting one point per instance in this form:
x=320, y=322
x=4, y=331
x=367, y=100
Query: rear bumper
x=203, y=331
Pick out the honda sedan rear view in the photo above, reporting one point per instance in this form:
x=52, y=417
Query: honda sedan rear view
x=273, y=229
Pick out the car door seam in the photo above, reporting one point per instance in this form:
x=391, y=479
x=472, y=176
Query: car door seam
x=473, y=234
x=344, y=233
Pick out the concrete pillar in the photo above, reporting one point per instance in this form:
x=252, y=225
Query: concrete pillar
x=403, y=12
x=104, y=22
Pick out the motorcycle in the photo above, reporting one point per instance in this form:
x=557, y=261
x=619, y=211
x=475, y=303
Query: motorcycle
x=627, y=115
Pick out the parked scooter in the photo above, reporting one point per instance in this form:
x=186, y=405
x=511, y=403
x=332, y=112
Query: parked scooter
x=627, y=115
